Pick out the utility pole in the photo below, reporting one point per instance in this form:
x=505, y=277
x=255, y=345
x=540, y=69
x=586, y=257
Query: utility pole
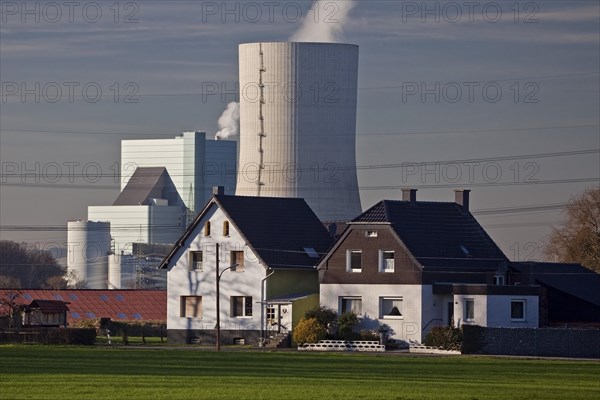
x=218, y=301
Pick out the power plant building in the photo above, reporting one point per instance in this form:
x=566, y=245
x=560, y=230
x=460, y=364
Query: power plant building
x=298, y=124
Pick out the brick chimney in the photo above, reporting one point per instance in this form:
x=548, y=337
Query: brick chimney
x=409, y=194
x=461, y=197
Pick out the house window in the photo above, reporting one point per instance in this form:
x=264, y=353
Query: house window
x=354, y=261
x=517, y=310
x=351, y=305
x=241, y=306
x=391, y=307
x=371, y=233
x=237, y=257
x=207, y=228
x=386, y=261
x=498, y=279
x=191, y=307
x=226, y=228
x=469, y=310
x=196, y=261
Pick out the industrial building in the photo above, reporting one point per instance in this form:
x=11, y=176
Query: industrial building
x=163, y=182
x=298, y=124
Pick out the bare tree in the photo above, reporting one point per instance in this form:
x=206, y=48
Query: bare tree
x=578, y=239
x=11, y=306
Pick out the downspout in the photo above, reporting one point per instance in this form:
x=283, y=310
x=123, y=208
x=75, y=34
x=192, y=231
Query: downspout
x=262, y=306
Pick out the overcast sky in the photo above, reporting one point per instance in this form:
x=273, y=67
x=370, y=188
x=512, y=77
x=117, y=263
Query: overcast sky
x=498, y=97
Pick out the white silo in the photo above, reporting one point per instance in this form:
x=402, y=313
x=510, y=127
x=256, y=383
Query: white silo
x=88, y=245
x=122, y=271
x=298, y=124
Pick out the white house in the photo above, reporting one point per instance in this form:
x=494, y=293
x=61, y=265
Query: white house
x=413, y=265
x=264, y=249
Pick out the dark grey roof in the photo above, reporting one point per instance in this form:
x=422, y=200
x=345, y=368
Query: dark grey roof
x=573, y=279
x=278, y=229
x=147, y=183
x=440, y=235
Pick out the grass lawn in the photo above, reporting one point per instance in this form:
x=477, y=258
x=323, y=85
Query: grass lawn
x=42, y=372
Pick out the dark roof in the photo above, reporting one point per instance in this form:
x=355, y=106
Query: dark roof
x=437, y=234
x=119, y=305
x=573, y=279
x=147, y=183
x=278, y=229
x=49, y=306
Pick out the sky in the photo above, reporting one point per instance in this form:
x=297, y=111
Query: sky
x=498, y=97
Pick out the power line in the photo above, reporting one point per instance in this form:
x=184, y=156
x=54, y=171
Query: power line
x=459, y=131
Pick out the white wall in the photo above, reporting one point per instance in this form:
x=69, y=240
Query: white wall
x=494, y=311
x=182, y=282
x=408, y=327
x=140, y=224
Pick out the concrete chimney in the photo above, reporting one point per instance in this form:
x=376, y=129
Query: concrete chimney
x=218, y=190
x=461, y=197
x=409, y=195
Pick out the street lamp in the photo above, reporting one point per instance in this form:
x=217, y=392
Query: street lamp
x=219, y=275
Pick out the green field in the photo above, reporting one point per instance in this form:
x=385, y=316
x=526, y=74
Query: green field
x=40, y=372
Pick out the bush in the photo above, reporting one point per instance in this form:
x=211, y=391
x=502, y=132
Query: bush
x=371, y=336
x=309, y=331
x=445, y=337
x=346, y=324
x=326, y=317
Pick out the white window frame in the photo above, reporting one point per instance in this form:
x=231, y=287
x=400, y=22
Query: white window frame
x=349, y=260
x=196, y=265
x=388, y=316
x=245, y=300
x=466, y=309
x=382, y=263
x=499, y=280
x=371, y=233
x=183, y=307
x=342, y=299
x=522, y=301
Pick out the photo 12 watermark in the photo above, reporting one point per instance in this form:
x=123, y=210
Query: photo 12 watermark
x=454, y=12
x=70, y=92
x=55, y=12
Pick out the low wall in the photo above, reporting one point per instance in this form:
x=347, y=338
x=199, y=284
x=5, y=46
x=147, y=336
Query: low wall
x=542, y=342
x=207, y=337
x=341, y=345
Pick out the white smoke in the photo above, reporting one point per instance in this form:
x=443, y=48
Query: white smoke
x=229, y=121
x=324, y=22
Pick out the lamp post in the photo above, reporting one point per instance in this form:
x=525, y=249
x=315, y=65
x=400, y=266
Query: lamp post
x=219, y=275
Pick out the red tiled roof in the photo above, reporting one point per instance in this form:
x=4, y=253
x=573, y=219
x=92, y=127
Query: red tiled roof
x=118, y=305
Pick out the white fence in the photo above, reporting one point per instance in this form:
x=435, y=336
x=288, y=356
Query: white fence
x=342, y=345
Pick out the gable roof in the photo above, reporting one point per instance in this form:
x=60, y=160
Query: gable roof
x=147, y=183
x=437, y=234
x=278, y=229
x=49, y=306
x=573, y=279
x=119, y=305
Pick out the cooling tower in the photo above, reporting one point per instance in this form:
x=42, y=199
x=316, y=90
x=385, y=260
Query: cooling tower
x=298, y=125
x=88, y=246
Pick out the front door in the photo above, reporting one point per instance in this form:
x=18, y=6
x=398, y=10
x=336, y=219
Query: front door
x=450, y=320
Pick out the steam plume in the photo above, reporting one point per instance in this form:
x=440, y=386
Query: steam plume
x=229, y=121
x=324, y=22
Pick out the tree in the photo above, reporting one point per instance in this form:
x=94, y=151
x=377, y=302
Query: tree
x=30, y=267
x=11, y=306
x=578, y=239
x=326, y=317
